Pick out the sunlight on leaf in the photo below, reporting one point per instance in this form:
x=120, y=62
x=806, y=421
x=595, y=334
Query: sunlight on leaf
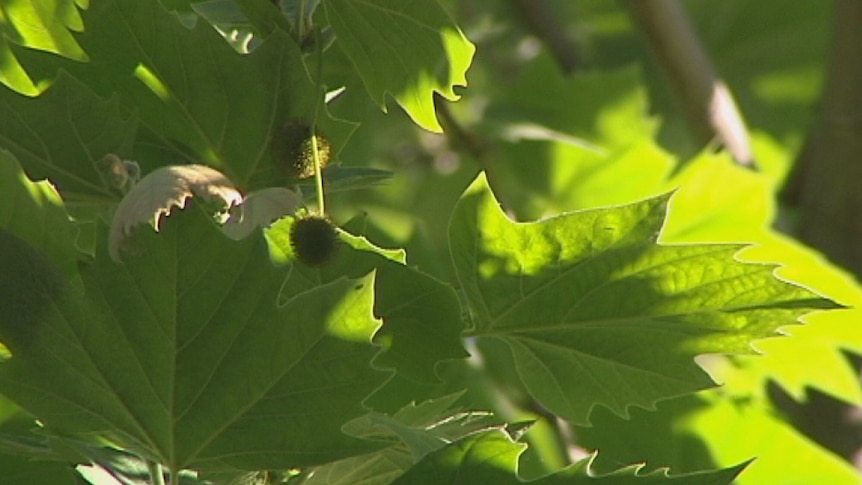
x=492, y=457
x=596, y=313
x=407, y=49
x=45, y=25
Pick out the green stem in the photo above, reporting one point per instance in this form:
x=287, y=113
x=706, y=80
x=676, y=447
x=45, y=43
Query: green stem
x=318, y=176
x=157, y=473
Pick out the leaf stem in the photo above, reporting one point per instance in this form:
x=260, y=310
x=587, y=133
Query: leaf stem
x=318, y=176
x=157, y=473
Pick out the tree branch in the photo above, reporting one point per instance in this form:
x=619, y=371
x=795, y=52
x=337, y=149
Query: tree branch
x=540, y=18
x=826, y=180
x=708, y=103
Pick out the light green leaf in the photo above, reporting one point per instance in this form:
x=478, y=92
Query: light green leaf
x=46, y=25
x=184, y=355
x=407, y=49
x=719, y=201
x=492, y=457
x=717, y=428
x=596, y=313
x=784, y=455
x=607, y=108
x=574, y=141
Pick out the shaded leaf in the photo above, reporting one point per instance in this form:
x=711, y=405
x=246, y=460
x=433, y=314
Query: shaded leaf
x=184, y=355
x=64, y=134
x=193, y=89
x=420, y=429
x=421, y=316
x=492, y=457
x=596, y=313
x=407, y=49
x=34, y=212
x=704, y=430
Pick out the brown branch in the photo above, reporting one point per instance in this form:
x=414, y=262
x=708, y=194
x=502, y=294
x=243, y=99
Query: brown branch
x=826, y=181
x=539, y=17
x=708, y=103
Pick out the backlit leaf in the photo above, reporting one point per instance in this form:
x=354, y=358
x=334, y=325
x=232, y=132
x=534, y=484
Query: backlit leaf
x=595, y=312
x=409, y=50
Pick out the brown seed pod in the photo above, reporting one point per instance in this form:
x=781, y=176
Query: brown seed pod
x=314, y=240
x=292, y=150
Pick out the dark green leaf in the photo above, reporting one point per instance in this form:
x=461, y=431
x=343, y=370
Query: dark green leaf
x=184, y=355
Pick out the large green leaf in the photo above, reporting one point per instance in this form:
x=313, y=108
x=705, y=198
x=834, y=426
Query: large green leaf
x=34, y=212
x=718, y=201
x=407, y=49
x=64, y=134
x=45, y=25
x=185, y=355
x=492, y=457
x=596, y=313
x=421, y=316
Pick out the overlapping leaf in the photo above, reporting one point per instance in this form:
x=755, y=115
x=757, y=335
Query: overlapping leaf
x=45, y=25
x=492, y=457
x=421, y=316
x=35, y=213
x=596, y=313
x=704, y=430
x=184, y=355
x=64, y=134
x=407, y=49
x=192, y=89
x=421, y=429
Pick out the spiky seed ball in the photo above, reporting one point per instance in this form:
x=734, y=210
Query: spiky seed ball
x=292, y=151
x=314, y=240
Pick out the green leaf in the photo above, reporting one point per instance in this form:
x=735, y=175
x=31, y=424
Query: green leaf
x=596, y=313
x=607, y=108
x=34, y=212
x=407, y=49
x=63, y=136
x=704, y=430
x=741, y=207
x=184, y=84
x=421, y=316
x=416, y=429
x=46, y=25
x=492, y=457
x=184, y=355
x=784, y=455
